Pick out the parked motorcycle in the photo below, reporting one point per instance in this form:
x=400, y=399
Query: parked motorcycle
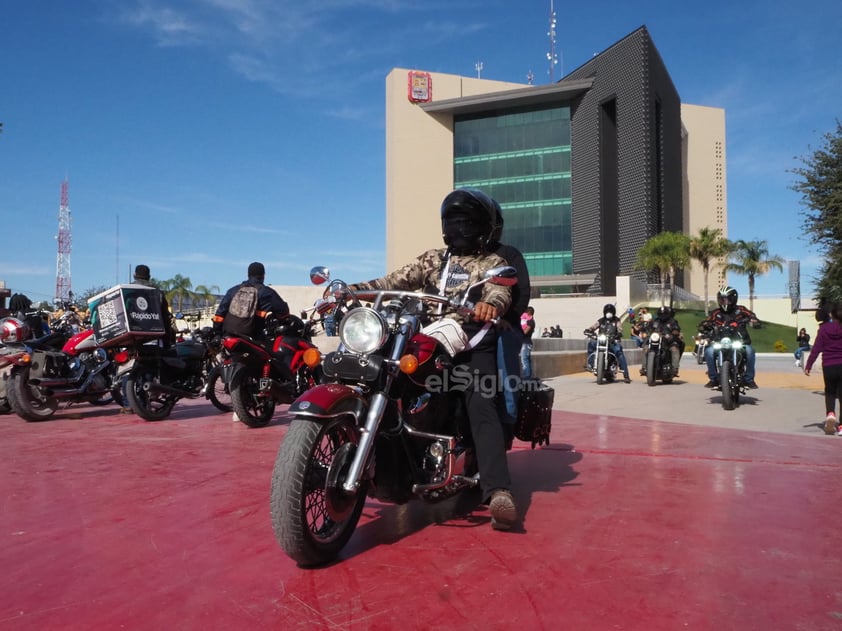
x=157, y=377
x=603, y=362
x=43, y=377
x=381, y=426
x=659, y=358
x=730, y=356
x=263, y=373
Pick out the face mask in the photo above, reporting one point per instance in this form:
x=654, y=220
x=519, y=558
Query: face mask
x=609, y=316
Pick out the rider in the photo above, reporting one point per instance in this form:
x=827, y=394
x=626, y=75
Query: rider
x=268, y=301
x=665, y=323
x=142, y=276
x=468, y=219
x=731, y=314
x=609, y=320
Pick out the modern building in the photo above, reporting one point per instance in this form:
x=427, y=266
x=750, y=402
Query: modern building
x=586, y=169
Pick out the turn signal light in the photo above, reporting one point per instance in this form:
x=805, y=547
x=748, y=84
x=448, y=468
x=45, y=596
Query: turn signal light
x=312, y=357
x=408, y=364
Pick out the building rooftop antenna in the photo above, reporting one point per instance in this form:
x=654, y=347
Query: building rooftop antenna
x=65, y=241
x=478, y=66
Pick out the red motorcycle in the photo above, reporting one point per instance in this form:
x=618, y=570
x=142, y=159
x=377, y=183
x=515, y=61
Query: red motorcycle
x=43, y=377
x=263, y=373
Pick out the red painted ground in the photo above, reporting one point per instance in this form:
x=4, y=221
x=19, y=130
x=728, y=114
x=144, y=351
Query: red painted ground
x=109, y=522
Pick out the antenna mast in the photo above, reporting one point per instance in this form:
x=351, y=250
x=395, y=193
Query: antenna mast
x=65, y=239
x=552, y=57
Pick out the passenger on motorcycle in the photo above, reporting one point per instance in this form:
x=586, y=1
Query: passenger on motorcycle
x=468, y=219
x=665, y=323
x=609, y=318
x=730, y=313
x=252, y=306
x=142, y=276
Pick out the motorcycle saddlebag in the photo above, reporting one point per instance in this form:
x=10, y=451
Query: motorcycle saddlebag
x=534, y=412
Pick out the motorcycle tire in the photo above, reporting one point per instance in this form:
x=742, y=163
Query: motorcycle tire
x=700, y=356
x=217, y=390
x=600, y=368
x=251, y=409
x=5, y=407
x=650, y=369
x=729, y=401
x=148, y=406
x=27, y=401
x=312, y=517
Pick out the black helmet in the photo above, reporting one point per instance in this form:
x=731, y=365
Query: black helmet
x=727, y=299
x=468, y=221
x=609, y=308
x=664, y=313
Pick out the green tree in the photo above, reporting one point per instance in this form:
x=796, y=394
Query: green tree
x=707, y=246
x=205, y=295
x=178, y=288
x=820, y=186
x=752, y=259
x=665, y=254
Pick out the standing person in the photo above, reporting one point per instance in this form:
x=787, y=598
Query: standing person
x=245, y=307
x=802, y=340
x=527, y=324
x=468, y=220
x=829, y=346
x=609, y=320
x=142, y=276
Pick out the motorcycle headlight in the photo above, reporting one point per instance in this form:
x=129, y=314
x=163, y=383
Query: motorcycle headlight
x=655, y=337
x=602, y=337
x=363, y=331
x=737, y=344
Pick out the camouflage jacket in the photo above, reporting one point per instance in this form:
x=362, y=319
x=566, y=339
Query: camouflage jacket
x=425, y=274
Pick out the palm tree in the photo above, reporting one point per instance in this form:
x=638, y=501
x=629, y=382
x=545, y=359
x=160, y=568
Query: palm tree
x=665, y=253
x=707, y=246
x=206, y=294
x=178, y=289
x=752, y=259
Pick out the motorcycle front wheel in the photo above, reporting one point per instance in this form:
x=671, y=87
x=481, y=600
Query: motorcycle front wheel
x=217, y=390
x=730, y=391
x=650, y=368
x=600, y=368
x=312, y=516
x=27, y=401
x=147, y=405
x=700, y=355
x=250, y=407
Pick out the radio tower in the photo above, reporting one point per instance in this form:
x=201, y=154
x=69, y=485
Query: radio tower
x=64, y=238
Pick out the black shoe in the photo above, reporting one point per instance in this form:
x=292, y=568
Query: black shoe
x=711, y=384
x=749, y=383
x=627, y=379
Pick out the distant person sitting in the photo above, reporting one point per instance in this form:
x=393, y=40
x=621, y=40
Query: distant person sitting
x=802, y=341
x=546, y=333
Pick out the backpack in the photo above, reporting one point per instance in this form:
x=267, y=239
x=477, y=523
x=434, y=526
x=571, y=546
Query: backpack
x=240, y=319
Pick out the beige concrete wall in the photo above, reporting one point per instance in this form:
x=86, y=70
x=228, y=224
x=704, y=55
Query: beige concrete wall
x=705, y=185
x=419, y=161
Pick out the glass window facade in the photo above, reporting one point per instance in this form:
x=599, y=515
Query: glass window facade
x=522, y=159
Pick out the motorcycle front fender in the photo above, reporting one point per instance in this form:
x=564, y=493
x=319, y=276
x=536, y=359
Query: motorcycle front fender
x=330, y=400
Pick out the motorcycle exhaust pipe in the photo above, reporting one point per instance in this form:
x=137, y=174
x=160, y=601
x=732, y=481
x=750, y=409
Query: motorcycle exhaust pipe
x=159, y=388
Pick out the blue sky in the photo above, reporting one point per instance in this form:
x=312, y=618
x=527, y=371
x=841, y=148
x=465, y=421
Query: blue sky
x=200, y=135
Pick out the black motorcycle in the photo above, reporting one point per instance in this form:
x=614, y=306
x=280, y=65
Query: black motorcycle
x=730, y=356
x=659, y=358
x=157, y=377
x=602, y=362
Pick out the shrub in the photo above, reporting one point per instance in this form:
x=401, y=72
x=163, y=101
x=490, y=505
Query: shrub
x=780, y=347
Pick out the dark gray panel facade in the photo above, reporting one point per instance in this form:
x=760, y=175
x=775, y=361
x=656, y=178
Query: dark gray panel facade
x=626, y=159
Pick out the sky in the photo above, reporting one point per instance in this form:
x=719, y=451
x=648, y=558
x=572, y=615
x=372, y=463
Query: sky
x=197, y=136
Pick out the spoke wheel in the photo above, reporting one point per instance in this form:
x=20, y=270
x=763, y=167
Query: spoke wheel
x=251, y=407
x=312, y=516
x=217, y=390
x=147, y=405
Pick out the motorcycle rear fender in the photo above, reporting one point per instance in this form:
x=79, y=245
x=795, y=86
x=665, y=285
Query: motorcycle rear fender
x=330, y=400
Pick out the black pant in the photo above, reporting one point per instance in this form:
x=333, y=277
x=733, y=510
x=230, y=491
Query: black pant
x=832, y=386
x=486, y=429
